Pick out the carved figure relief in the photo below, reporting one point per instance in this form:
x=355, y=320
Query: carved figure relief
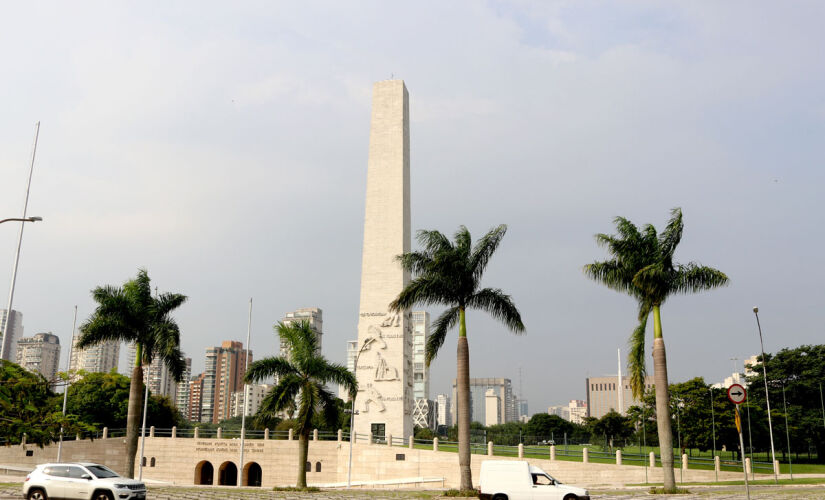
x=374, y=397
x=392, y=319
x=374, y=337
x=383, y=371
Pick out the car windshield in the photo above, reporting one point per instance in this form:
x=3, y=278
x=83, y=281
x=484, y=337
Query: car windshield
x=101, y=472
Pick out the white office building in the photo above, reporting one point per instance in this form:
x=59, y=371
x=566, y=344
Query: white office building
x=41, y=354
x=14, y=325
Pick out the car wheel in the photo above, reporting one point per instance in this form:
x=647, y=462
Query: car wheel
x=571, y=497
x=36, y=494
x=500, y=497
x=102, y=495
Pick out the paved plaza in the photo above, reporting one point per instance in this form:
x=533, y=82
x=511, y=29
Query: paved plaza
x=8, y=491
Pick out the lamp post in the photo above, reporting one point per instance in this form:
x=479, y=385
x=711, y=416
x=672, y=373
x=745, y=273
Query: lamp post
x=68, y=381
x=787, y=432
x=713, y=429
x=245, y=393
x=767, y=399
x=353, y=412
x=22, y=221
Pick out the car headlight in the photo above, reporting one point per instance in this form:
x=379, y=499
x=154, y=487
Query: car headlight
x=120, y=486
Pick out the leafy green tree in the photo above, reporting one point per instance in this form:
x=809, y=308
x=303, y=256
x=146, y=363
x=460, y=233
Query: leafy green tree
x=642, y=266
x=508, y=434
x=423, y=433
x=303, y=376
x=545, y=426
x=449, y=273
x=612, y=426
x=801, y=371
x=131, y=314
x=27, y=406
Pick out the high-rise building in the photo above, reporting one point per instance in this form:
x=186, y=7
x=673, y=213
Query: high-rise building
x=523, y=410
x=14, y=325
x=424, y=408
x=443, y=411
x=315, y=317
x=478, y=393
x=384, y=371
x=194, y=409
x=492, y=408
x=182, y=389
x=603, y=395
x=157, y=375
x=560, y=411
x=577, y=411
x=40, y=353
x=100, y=358
x=255, y=393
x=352, y=352
x=225, y=369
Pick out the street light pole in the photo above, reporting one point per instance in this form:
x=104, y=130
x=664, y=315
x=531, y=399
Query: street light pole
x=353, y=412
x=713, y=428
x=787, y=433
x=68, y=381
x=19, y=244
x=245, y=393
x=767, y=398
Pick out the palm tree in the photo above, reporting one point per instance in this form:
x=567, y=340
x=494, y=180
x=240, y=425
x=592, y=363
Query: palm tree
x=642, y=266
x=449, y=274
x=301, y=375
x=131, y=314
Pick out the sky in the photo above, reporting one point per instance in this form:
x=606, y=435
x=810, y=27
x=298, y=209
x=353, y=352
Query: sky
x=224, y=148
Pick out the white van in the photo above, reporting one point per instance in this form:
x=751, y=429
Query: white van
x=518, y=480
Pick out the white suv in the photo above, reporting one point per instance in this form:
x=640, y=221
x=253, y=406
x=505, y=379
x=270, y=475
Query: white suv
x=80, y=481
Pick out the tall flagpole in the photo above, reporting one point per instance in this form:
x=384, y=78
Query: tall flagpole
x=9, y=316
x=245, y=393
x=621, y=386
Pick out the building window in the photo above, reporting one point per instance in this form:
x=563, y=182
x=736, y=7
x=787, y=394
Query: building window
x=317, y=466
x=309, y=466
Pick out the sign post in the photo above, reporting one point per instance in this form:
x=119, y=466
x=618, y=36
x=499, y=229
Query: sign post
x=737, y=395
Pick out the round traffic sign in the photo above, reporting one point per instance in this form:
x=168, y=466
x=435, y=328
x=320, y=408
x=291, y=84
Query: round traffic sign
x=737, y=394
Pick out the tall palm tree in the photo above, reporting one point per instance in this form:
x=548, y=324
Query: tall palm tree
x=301, y=375
x=449, y=273
x=131, y=314
x=642, y=266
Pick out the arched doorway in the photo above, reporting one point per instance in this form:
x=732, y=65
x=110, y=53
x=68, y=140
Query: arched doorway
x=252, y=474
x=204, y=472
x=228, y=474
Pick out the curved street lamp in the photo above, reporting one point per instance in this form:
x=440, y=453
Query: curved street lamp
x=353, y=412
x=14, y=274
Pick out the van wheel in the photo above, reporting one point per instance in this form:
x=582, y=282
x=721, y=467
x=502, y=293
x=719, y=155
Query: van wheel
x=500, y=497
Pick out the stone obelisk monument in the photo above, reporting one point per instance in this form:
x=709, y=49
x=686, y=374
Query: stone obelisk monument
x=384, y=369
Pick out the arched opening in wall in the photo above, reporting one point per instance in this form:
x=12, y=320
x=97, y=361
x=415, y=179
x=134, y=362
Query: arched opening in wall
x=308, y=467
x=228, y=474
x=204, y=472
x=252, y=474
x=152, y=462
x=317, y=466
x=143, y=461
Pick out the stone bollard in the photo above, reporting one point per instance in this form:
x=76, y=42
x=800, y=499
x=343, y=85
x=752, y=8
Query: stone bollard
x=340, y=435
x=618, y=457
x=152, y=431
x=174, y=431
x=411, y=443
x=266, y=433
x=717, y=464
x=290, y=434
x=219, y=432
x=369, y=437
x=315, y=434
x=435, y=444
x=521, y=450
x=105, y=432
x=748, y=466
x=389, y=439
x=652, y=460
x=684, y=461
x=78, y=437
x=585, y=456
x=490, y=448
x=776, y=467
x=195, y=434
x=552, y=452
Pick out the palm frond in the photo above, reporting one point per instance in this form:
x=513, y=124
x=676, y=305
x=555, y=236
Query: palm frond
x=268, y=367
x=636, y=354
x=672, y=235
x=328, y=407
x=611, y=274
x=484, y=250
x=415, y=262
x=324, y=372
x=433, y=241
x=499, y=305
x=423, y=290
x=306, y=407
x=692, y=278
x=280, y=398
x=165, y=303
x=447, y=320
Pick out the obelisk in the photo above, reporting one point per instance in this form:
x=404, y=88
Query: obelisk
x=384, y=368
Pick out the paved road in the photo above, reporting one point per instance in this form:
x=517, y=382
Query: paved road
x=703, y=493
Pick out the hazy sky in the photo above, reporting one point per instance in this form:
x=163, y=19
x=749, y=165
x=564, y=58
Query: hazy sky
x=225, y=149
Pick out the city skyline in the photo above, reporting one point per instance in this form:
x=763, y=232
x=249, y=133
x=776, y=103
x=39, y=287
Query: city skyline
x=199, y=136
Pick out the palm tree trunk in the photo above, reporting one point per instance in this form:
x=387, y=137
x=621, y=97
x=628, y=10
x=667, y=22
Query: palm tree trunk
x=463, y=395
x=133, y=416
x=662, y=402
x=303, y=451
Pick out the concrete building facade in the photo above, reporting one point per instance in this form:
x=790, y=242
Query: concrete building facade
x=603, y=395
x=384, y=371
x=255, y=393
x=230, y=368
x=13, y=324
x=478, y=393
x=313, y=315
x=101, y=358
x=194, y=404
x=492, y=408
x=182, y=390
x=41, y=354
x=443, y=416
x=157, y=375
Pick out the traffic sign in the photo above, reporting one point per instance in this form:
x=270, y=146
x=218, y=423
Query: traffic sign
x=737, y=394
